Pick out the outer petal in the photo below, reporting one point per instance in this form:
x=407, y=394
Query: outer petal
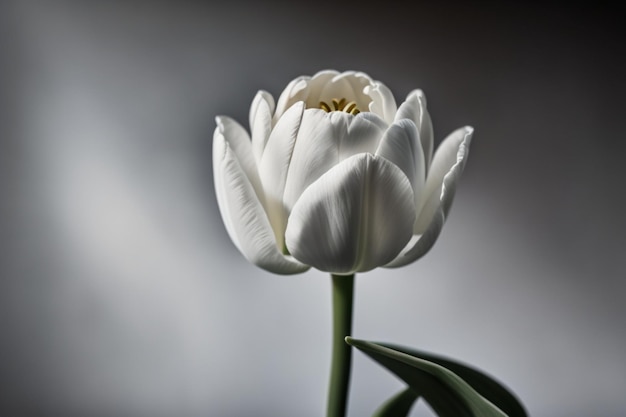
x=448, y=164
x=400, y=145
x=444, y=174
x=243, y=214
x=239, y=142
x=324, y=140
x=275, y=165
x=356, y=217
x=261, y=112
x=414, y=108
x=296, y=90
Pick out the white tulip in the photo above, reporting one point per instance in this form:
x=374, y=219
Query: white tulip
x=335, y=176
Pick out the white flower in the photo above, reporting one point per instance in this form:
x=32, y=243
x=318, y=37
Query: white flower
x=335, y=176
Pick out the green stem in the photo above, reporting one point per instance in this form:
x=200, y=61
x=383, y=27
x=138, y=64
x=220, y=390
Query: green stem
x=343, y=292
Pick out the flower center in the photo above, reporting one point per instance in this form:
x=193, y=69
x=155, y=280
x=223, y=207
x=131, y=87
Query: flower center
x=340, y=105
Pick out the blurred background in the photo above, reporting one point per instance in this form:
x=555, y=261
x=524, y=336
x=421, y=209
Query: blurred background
x=122, y=295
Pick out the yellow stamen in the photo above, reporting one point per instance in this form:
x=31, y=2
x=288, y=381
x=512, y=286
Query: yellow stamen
x=340, y=105
x=324, y=107
x=349, y=107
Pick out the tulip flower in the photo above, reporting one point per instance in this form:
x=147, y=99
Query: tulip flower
x=334, y=175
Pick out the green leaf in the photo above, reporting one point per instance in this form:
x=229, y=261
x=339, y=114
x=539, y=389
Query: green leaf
x=484, y=384
x=445, y=391
x=399, y=405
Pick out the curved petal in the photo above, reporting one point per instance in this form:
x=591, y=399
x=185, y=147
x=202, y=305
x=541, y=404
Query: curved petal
x=414, y=108
x=359, y=81
x=400, y=145
x=318, y=82
x=439, y=190
x=243, y=213
x=362, y=83
x=304, y=88
x=326, y=85
x=239, y=141
x=275, y=165
x=356, y=217
x=261, y=112
x=261, y=97
x=448, y=164
x=383, y=102
x=324, y=140
x=338, y=87
x=296, y=90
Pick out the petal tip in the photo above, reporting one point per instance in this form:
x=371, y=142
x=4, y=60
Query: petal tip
x=298, y=87
x=417, y=94
x=262, y=95
x=469, y=133
x=219, y=121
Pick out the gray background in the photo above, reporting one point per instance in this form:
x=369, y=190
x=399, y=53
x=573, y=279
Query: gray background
x=121, y=294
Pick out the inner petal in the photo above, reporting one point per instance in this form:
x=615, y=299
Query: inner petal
x=337, y=89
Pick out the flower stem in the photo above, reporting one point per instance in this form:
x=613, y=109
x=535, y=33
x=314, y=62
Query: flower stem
x=343, y=292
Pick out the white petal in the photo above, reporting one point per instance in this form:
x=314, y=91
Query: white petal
x=441, y=182
x=354, y=218
x=383, y=102
x=364, y=132
x=296, y=90
x=304, y=88
x=261, y=112
x=317, y=84
x=350, y=85
x=338, y=87
x=448, y=164
x=275, y=165
x=359, y=80
x=400, y=145
x=219, y=152
x=261, y=97
x=414, y=108
x=243, y=214
x=324, y=140
x=238, y=140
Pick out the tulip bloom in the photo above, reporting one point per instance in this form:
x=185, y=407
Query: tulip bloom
x=335, y=176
